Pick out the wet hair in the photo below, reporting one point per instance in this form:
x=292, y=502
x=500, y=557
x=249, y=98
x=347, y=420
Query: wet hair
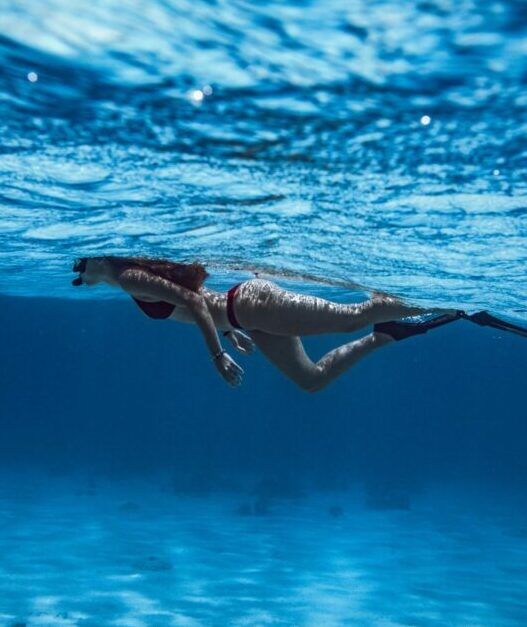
x=189, y=275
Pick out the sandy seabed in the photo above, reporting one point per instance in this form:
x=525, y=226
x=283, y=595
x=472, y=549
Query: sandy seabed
x=135, y=554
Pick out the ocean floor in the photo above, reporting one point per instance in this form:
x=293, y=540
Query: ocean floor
x=106, y=552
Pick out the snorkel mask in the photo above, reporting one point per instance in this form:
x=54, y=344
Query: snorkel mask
x=79, y=265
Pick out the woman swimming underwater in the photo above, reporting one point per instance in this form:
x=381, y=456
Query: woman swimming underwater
x=272, y=318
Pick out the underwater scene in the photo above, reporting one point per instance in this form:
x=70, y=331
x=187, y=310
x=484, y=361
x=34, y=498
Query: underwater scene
x=315, y=413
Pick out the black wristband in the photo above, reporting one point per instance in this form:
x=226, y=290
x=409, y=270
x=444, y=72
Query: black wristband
x=218, y=355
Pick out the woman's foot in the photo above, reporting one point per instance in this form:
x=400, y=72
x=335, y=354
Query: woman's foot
x=388, y=307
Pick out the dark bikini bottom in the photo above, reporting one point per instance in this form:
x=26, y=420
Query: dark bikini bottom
x=230, y=307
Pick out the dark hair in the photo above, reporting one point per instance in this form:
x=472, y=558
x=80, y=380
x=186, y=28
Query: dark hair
x=189, y=275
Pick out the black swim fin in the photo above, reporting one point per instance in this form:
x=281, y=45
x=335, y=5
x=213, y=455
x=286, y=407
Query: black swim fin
x=485, y=319
x=401, y=330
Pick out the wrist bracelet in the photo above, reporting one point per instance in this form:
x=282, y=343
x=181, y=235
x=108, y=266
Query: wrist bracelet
x=217, y=355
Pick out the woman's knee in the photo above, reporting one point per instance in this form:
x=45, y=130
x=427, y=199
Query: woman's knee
x=312, y=381
x=316, y=387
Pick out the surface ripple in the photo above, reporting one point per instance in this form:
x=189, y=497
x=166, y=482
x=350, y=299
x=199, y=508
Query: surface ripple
x=374, y=145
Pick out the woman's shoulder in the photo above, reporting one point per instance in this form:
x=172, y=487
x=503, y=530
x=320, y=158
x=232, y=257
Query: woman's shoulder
x=138, y=283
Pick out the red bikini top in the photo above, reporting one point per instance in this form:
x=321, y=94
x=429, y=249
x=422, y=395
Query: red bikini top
x=157, y=310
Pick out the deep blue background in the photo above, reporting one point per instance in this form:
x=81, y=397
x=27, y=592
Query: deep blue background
x=96, y=386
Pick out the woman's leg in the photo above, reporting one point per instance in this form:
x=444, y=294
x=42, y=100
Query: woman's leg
x=261, y=305
x=289, y=356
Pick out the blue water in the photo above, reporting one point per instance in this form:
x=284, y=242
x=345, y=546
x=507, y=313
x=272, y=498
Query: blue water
x=337, y=147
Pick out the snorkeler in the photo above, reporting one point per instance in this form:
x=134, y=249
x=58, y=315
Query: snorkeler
x=258, y=312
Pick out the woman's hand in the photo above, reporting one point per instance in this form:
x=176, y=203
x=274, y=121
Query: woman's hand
x=241, y=342
x=228, y=368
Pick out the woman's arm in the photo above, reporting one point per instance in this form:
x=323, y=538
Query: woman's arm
x=142, y=282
